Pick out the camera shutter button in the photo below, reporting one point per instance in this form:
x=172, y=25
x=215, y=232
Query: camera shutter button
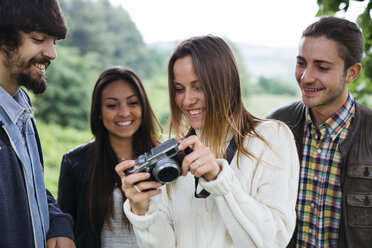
x=141, y=159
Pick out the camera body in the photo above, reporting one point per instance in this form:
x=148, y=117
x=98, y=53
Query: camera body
x=162, y=162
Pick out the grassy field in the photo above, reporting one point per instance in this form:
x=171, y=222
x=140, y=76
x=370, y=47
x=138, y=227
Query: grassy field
x=262, y=105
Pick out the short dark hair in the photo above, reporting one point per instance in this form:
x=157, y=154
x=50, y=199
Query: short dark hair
x=347, y=34
x=43, y=16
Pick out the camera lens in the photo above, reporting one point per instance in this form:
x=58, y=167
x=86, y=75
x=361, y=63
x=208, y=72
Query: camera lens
x=166, y=170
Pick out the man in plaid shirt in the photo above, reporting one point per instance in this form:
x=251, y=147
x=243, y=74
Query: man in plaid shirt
x=334, y=140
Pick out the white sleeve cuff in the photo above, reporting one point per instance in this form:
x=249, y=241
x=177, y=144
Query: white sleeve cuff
x=142, y=221
x=223, y=183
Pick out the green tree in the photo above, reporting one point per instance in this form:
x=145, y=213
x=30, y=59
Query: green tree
x=70, y=82
x=100, y=36
x=97, y=26
x=275, y=86
x=362, y=88
x=158, y=96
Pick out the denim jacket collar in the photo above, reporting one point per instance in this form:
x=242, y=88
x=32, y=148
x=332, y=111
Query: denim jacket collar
x=15, y=106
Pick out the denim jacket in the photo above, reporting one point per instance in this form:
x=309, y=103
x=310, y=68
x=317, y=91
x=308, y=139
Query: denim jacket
x=356, y=172
x=21, y=220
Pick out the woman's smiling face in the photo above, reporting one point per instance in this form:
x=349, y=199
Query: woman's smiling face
x=189, y=96
x=121, y=109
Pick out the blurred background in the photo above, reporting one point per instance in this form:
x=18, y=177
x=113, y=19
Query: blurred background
x=141, y=34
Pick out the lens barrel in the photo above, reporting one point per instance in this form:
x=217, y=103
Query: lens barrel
x=166, y=170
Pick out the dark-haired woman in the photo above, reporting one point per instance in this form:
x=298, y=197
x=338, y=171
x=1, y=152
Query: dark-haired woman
x=249, y=202
x=124, y=126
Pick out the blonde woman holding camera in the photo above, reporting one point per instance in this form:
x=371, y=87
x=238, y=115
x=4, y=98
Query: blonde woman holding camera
x=239, y=184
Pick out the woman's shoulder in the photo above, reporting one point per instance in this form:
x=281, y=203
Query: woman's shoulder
x=270, y=129
x=271, y=134
x=81, y=153
x=274, y=144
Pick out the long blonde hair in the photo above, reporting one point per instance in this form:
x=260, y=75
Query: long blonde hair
x=216, y=69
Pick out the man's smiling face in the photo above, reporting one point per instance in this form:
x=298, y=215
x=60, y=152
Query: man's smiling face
x=28, y=63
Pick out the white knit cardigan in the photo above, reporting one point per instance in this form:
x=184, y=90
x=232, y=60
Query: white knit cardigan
x=249, y=206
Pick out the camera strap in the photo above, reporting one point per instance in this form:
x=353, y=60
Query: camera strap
x=231, y=149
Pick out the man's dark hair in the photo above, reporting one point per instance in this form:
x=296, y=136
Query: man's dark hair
x=347, y=34
x=43, y=16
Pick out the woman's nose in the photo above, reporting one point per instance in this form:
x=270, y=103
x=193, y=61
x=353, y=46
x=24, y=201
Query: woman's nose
x=124, y=111
x=190, y=98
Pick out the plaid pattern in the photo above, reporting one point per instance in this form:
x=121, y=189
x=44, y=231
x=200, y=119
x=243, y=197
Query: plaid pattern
x=320, y=197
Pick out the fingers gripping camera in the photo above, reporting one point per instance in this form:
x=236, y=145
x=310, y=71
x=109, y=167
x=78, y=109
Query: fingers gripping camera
x=162, y=162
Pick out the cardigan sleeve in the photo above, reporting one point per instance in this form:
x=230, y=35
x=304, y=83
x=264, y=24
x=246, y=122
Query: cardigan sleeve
x=155, y=228
x=265, y=215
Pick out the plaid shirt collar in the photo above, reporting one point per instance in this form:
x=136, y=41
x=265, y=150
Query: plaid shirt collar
x=334, y=124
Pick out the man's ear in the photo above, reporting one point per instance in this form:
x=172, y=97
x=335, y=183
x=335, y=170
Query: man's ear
x=353, y=72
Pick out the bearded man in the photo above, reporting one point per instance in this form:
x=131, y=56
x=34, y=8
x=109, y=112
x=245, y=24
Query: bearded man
x=29, y=214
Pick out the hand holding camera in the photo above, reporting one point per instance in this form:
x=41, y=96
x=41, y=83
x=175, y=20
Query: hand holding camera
x=163, y=165
x=142, y=178
x=164, y=162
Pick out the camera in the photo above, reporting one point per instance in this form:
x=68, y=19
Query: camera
x=162, y=162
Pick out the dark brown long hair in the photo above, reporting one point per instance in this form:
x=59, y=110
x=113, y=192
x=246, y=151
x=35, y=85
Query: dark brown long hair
x=103, y=177
x=216, y=69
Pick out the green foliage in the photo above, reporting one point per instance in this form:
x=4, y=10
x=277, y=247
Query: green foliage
x=157, y=91
x=70, y=82
x=98, y=26
x=275, y=86
x=100, y=36
x=56, y=141
x=362, y=88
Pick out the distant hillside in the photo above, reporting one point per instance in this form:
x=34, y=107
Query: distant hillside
x=265, y=61
x=269, y=61
x=163, y=47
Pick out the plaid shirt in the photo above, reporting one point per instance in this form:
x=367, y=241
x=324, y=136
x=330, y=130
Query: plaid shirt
x=320, y=197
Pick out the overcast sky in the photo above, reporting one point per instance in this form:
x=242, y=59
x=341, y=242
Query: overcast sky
x=263, y=22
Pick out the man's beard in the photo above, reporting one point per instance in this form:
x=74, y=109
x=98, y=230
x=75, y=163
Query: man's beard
x=37, y=86
x=20, y=70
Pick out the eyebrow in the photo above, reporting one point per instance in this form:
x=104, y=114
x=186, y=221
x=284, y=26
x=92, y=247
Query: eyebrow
x=192, y=82
x=316, y=61
x=114, y=98
x=135, y=94
x=319, y=61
